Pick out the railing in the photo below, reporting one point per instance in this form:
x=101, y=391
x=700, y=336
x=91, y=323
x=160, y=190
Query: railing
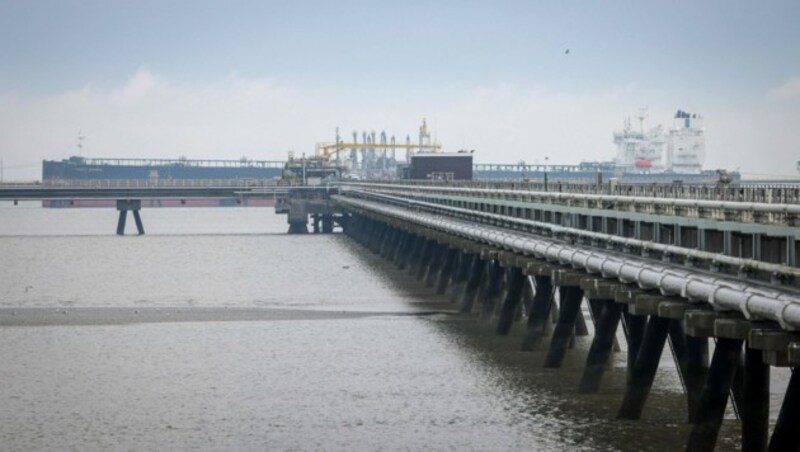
x=747, y=193
x=141, y=190
x=535, y=167
x=753, y=300
x=758, y=193
x=578, y=235
x=734, y=211
x=158, y=183
x=205, y=163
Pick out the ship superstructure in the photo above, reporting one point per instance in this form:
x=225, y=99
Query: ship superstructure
x=681, y=150
x=637, y=150
x=686, y=144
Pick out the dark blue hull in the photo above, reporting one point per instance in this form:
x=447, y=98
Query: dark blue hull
x=76, y=170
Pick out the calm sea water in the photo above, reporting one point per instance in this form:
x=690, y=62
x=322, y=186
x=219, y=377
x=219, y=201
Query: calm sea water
x=304, y=343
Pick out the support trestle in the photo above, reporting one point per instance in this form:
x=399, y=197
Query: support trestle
x=123, y=206
x=505, y=286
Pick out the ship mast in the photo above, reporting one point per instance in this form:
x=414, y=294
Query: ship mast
x=641, y=117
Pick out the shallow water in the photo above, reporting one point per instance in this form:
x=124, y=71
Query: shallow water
x=218, y=331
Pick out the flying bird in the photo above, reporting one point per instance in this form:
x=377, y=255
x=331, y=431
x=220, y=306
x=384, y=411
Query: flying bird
x=566, y=52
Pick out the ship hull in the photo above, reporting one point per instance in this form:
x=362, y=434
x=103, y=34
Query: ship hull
x=193, y=202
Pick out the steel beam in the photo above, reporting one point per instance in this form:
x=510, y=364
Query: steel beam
x=711, y=407
x=602, y=345
x=643, y=371
x=570, y=298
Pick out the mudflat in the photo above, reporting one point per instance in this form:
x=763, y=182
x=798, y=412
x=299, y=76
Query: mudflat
x=47, y=316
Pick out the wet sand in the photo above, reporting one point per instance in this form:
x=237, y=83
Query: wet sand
x=48, y=316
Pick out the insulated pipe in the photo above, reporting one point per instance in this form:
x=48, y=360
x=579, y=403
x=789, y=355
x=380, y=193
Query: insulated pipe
x=677, y=250
x=722, y=294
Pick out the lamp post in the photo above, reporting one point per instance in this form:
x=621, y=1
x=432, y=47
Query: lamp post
x=546, y=158
x=304, y=168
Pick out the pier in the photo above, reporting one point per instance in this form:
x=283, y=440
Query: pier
x=708, y=272
x=132, y=195
x=703, y=266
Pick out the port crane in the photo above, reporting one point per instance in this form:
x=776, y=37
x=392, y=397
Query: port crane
x=332, y=150
x=328, y=150
x=374, y=156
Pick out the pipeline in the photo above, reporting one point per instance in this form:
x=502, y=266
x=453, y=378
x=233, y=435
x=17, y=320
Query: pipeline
x=721, y=293
x=687, y=253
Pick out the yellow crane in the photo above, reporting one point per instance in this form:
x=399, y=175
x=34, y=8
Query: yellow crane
x=327, y=150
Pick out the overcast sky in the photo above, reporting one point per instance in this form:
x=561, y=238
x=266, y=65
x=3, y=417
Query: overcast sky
x=203, y=79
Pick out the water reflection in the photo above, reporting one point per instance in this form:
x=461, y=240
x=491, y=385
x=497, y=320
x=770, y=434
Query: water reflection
x=339, y=350
x=547, y=399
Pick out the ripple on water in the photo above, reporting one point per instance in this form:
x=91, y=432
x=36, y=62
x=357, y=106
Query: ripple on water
x=345, y=368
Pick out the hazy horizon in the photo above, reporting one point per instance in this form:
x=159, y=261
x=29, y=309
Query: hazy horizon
x=256, y=79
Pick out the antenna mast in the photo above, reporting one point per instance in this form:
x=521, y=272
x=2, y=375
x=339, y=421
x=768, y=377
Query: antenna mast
x=81, y=136
x=641, y=117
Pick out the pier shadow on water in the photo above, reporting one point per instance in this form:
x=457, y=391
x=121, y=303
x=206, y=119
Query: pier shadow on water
x=547, y=399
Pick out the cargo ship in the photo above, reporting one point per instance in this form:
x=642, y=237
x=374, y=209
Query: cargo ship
x=643, y=156
x=79, y=171
x=80, y=168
